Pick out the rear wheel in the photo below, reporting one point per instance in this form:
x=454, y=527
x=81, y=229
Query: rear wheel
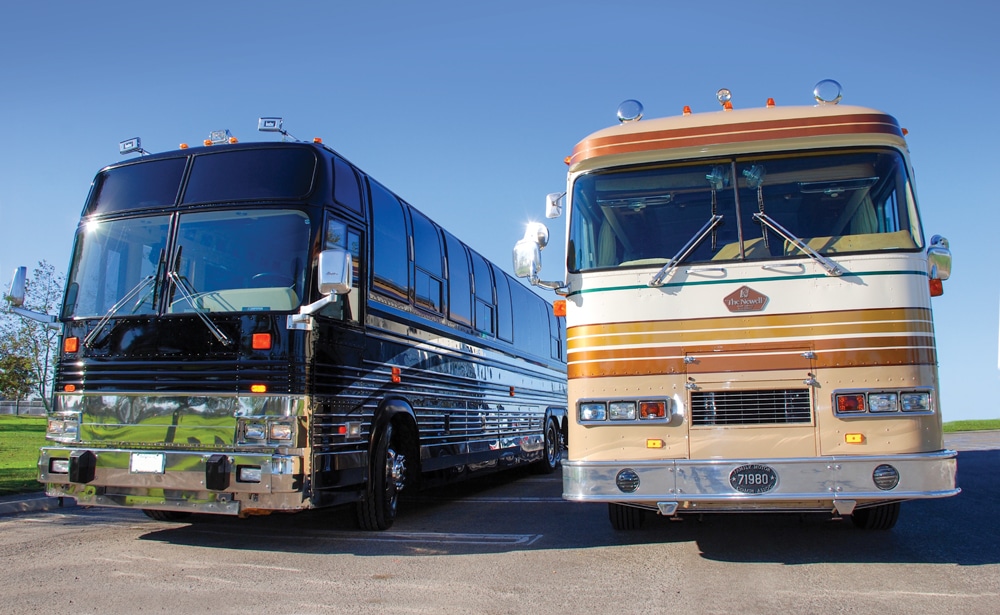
x=166, y=515
x=625, y=518
x=377, y=509
x=553, y=449
x=881, y=517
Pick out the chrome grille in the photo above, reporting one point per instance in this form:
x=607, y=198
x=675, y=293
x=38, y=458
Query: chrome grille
x=750, y=407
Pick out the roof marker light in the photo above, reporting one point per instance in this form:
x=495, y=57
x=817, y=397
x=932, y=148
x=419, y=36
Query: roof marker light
x=183, y=146
x=687, y=110
x=770, y=103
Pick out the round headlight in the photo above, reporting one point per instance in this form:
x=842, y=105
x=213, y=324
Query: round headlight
x=885, y=477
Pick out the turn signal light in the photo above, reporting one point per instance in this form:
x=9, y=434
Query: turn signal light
x=71, y=344
x=261, y=341
x=258, y=388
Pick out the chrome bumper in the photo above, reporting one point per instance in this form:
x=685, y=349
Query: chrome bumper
x=199, y=482
x=681, y=485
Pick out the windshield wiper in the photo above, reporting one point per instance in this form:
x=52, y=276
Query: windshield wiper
x=188, y=294
x=689, y=247
x=138, y=288
x=832, y=268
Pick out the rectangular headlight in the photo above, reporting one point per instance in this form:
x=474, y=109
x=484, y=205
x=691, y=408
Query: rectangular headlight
x=280, y=431
x=882, y=402
x=254, y=431
x=915, y=402
x=593, y=411
x=58, y=466
x=621, y=411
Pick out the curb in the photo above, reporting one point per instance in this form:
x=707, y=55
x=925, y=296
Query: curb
x=33, y=502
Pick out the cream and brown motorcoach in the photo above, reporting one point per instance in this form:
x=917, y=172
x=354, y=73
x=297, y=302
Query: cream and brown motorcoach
x=749, y=322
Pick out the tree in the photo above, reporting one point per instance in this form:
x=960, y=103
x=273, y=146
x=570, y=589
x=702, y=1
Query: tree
x=15, y=377
x=36, y=345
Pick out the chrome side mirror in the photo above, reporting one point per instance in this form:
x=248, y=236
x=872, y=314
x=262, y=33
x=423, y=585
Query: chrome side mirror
x=553, y=204
x=334, y=272
x=528, y=256
x=939, y=258
x=15, y=296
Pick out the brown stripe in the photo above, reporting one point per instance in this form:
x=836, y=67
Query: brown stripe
x=920, y=321
x=734, y=133
x=850, y=352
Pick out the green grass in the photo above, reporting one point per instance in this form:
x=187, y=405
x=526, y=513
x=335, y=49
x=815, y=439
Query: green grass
x=20, y=439
x=976, y=425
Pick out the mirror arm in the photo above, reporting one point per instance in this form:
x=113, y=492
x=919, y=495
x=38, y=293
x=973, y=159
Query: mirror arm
x=46, y=319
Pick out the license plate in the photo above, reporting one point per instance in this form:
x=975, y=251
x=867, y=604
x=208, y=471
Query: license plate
x=753, y=478
x=147, y=463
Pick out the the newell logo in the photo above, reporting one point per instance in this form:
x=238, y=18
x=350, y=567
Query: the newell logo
x=745, y=299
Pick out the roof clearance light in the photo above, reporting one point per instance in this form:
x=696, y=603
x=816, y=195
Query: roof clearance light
x=687, y=110
x=828, y=92
x=770, y=103
x=630, y=111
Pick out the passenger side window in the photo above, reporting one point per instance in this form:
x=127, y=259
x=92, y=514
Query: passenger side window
x=505, y=316
x=483, y=281
x=428, y=275
x=459, y=282
x=389, y=244
x=346, y=186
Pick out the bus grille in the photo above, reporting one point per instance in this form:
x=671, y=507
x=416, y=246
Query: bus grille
x=750, y=407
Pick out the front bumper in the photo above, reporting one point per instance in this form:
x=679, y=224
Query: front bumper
x=801, y=484
x=199, y=482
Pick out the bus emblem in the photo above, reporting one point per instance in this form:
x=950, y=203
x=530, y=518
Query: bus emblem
x=745, y=299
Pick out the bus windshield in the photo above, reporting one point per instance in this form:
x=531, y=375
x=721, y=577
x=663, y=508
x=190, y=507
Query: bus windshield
x=228, y=261
x=733, y=209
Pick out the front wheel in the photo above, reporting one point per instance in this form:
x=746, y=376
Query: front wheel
x=624, y=518
x=881, y=517
x=377, y=509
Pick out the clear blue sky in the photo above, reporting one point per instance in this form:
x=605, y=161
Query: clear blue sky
x=467, y=109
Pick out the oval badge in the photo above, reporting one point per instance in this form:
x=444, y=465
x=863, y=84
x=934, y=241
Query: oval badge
x=753, y=478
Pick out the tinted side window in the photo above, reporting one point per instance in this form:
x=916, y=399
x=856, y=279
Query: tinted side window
x=505, y=316
x=428, y=277
x=389, y=243
x=484, y=295
x=346, y=187
x=459, y=282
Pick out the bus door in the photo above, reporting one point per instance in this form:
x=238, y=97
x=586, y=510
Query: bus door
x=744, y=398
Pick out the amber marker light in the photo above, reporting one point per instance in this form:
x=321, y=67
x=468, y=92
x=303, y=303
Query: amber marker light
x=567, y=159
x=258, y=388
x=770, y=103
x=183, y=146
x=687, y=110
x=854, y=438
x=559, y=307
x=317, y=140
x=937, y=288
x=654, y=443
x=395, y=375
x=261, y=341
x=71, y=344
x=70, y=388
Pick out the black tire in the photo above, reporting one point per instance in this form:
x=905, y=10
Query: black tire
x=553, y=449
x=166, y=515
x=377, y=508
x=624, y=518
x=881, y=517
